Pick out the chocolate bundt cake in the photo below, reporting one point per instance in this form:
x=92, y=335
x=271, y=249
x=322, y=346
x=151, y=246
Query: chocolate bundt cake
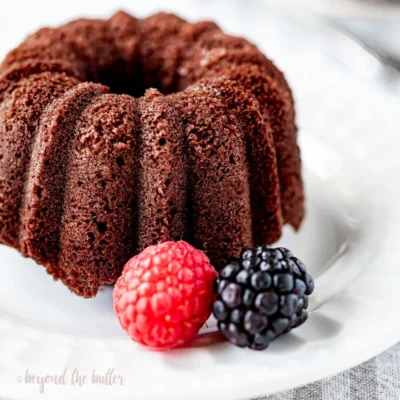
x=121, y=133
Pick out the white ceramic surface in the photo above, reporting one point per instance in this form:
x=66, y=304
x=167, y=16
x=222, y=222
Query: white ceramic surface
x=349, y=138
x=370, y=9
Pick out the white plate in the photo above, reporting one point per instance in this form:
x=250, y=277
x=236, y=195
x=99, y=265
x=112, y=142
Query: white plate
x=350, y=141
x=370, y=9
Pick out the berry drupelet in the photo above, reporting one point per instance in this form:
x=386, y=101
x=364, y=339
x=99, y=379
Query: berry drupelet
x=262, y=295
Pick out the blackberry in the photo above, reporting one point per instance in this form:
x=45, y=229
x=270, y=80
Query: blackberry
x=261, y=296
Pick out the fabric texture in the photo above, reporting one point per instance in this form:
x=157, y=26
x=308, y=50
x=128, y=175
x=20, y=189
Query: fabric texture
x=377, y=379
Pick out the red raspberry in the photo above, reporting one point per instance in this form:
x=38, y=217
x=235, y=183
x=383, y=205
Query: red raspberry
x=165, y=294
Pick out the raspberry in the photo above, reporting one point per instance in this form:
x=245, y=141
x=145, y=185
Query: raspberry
x=165, y=294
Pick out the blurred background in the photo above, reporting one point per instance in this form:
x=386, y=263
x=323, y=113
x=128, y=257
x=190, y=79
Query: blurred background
x=375, y=24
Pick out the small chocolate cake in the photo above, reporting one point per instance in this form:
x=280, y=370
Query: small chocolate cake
x=121, y=133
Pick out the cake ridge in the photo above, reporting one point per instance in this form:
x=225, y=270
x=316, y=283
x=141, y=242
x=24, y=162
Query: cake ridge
x=218, y=175
x=20, y=112
x=276, y=105
x=267, y=218
x=99, y=221
x=42, y=210
x=162, y=200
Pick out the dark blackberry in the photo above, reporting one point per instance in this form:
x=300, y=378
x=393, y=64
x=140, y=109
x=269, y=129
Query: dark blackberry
x=262, y=295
